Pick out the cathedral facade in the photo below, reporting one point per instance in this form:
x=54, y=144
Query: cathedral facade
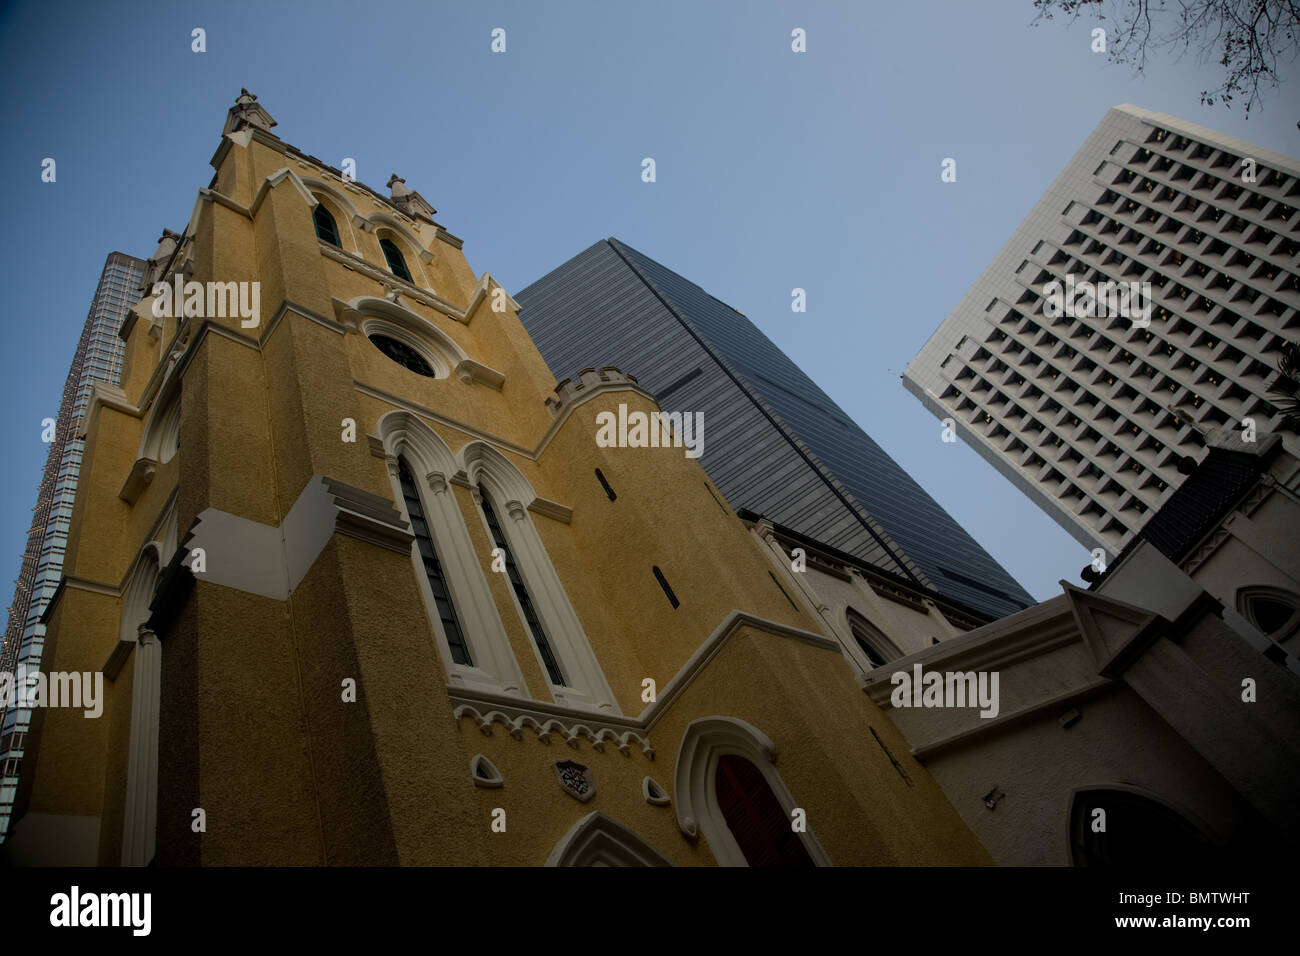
x=364, y=587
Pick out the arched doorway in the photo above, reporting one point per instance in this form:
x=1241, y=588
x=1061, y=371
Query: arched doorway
x=1135, y=830
x=754, y=816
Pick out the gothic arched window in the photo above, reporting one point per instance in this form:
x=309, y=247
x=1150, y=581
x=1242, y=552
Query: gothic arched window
x=433, y=567
x=469, y=635
x=396, y=261
x=879, y=649
x=553, y=671
x=1274, y=611
x=326, y=229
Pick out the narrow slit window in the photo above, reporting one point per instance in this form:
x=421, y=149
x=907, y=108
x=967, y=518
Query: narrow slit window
x=784, y=594
x=663, y=583
x=521, y=592
x=600, y=476
x=433, y=567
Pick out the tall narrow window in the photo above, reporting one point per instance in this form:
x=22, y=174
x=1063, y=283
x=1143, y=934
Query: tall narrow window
x=521, y=592
x=396, y=262
x=326, y=230
x=433, y=567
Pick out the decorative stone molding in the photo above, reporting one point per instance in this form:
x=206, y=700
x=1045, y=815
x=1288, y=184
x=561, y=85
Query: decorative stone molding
x=357, y=264
x=508, y=489
x=469, y=372
x=284, y=173
x=569, y=392
x=485, y=774
x=548, y=722
x=704, y=741
x=139, y=478
x=494, y=665
x=551, y=509
x=576, y=779
x=654, y=794
x=247, y=112
x=484, y=291
x=409, y=201
x=596, y=840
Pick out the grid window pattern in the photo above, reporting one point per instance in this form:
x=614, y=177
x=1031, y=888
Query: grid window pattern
x=1090, y=414
x=521, y=592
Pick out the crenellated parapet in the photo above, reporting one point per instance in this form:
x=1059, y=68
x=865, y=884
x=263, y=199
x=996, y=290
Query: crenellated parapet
x=570, y=391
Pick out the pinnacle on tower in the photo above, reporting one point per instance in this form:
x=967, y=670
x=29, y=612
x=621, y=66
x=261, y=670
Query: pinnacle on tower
x=247, y=112
x=408, y=200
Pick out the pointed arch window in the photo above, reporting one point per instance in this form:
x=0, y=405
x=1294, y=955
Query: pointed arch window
x=396, y=261
x=471, y=640
x=1274, y=611
x=503, y=499
x=433, y=567
x=326, y=229
x=879, y=650
x=553, y=671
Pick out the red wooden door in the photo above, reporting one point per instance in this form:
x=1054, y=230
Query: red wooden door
x=755, y=817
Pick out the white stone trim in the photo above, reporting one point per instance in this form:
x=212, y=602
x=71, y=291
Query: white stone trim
x=275, y=179
x=140, y=812
x=570, y=724
x=427, y=347
x=705, y=740
x=485, y=773
x=654, y=793
x=402, y=235
x=574, y=723
x=432, y=465
x=511, y=493
x=271, y=561
x=345, y=205
x=597, y=840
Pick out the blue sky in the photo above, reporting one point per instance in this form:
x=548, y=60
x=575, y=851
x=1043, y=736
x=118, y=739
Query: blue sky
x=774, y=170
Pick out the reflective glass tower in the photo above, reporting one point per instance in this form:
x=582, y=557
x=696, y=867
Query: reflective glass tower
x=98, y=359
x=775, y=444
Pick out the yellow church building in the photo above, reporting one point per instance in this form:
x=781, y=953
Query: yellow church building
x=364, y=587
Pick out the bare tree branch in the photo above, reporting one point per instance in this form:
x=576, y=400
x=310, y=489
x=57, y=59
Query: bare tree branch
x=1248, y=38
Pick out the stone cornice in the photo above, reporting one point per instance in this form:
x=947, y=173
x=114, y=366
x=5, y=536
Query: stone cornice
x=388, y=280
x=551, y=509
x=1030, y=633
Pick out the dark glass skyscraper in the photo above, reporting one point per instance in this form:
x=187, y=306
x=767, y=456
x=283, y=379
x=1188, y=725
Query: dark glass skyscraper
x=775, y=443
x=98, y=359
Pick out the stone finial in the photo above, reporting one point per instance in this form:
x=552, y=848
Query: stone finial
x=247, y=112
x=408, y=200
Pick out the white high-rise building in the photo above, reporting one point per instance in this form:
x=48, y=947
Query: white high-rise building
x=1087, y=395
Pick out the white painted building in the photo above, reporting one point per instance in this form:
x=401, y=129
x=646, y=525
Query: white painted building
x=1090, y=414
